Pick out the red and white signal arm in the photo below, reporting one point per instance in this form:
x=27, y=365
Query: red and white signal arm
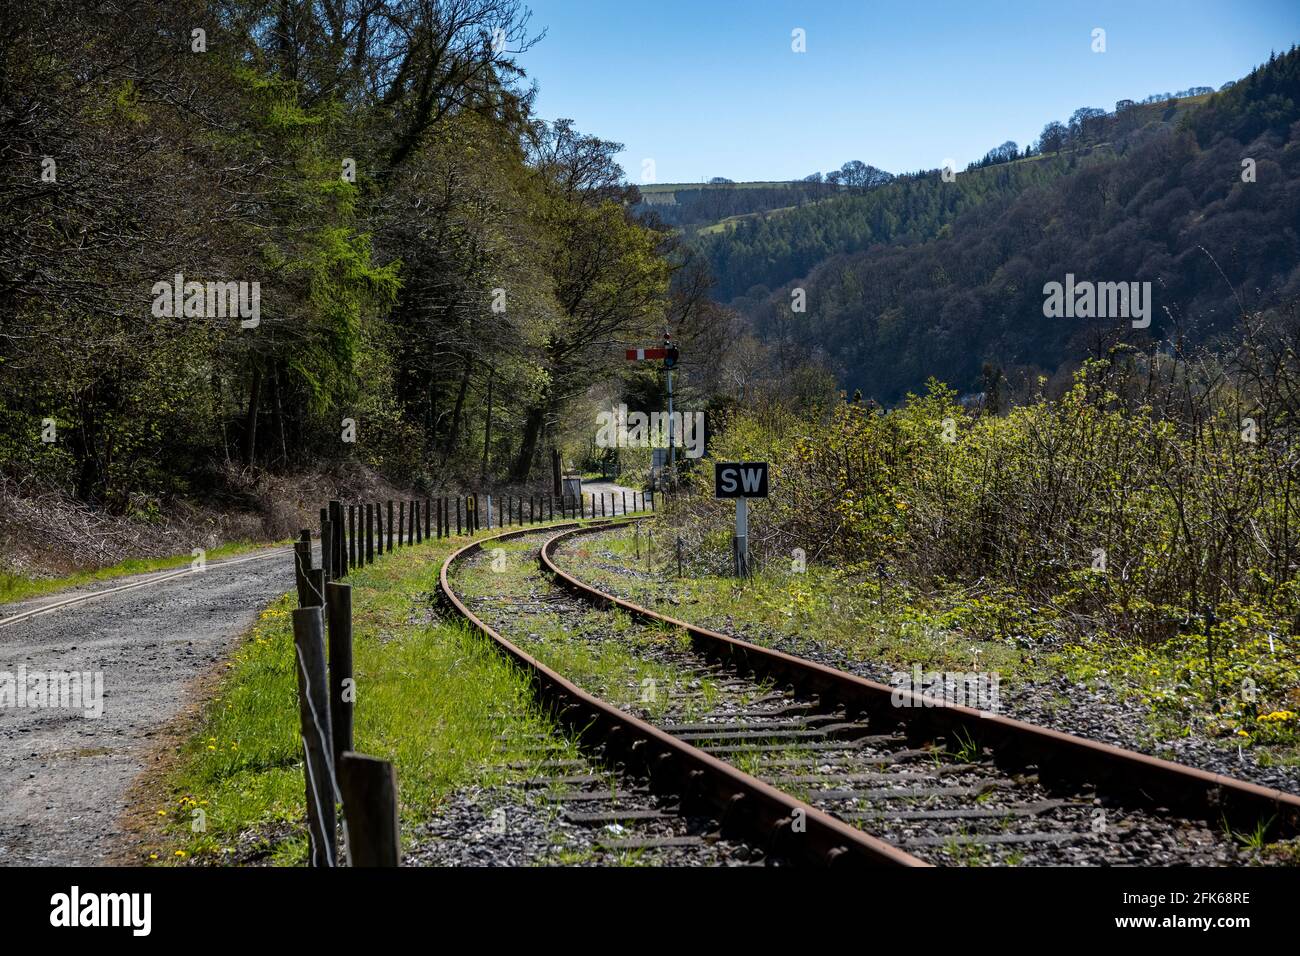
x=641, y=355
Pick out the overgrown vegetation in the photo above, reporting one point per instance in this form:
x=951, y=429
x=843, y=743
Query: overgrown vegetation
x=1146, y=521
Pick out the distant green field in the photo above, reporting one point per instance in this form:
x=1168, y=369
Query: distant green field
x=674, y=187
x=731, y=221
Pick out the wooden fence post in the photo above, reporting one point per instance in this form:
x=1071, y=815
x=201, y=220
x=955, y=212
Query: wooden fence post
x=327, y=548
x=324, y=538
x=342, y=690
x=313, y=715
x=316, y=579
x=328, y=541
x=369, y=787
x=370, y=533
x=337, y=531
x=343, y=541
x=301, y=571
x=340, y=531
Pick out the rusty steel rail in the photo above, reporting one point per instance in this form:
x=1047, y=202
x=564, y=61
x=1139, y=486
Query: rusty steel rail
x=787, y=827
x=1137, y=779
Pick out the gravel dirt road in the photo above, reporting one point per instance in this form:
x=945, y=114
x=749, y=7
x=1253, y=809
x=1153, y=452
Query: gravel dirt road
x=65, y=777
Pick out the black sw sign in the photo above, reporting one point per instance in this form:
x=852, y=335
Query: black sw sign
x=740, y=479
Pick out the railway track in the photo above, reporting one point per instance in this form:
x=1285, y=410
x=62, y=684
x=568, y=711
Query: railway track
x=804, y=764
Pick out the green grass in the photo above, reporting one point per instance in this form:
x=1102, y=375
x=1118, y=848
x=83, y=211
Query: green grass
x=431, y=696
x=603, y=653
x=960, y=630
x=732, y=221
x=820, y=605
x=17, y=587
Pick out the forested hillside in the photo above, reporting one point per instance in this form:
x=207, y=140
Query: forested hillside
x=1203, y=205
x=438, y=273
x=764, y=252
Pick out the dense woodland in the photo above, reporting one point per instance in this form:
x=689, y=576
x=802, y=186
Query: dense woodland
x=1151, y=193
x=435, y=263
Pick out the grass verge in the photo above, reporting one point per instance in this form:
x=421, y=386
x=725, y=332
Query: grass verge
x=1250, y=697
x=431, y=696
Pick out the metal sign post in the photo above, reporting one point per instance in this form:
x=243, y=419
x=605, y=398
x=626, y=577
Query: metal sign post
x=742, y=481
x=740, y=540
x=672, y=451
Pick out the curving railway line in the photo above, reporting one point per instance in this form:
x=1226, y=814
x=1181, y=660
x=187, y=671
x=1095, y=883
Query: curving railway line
x=804, y=764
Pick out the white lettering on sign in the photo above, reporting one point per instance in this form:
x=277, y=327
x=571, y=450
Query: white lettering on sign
x=729, y=480
x=751, y=479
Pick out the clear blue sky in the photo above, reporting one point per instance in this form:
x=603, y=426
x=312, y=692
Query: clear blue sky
x=712, y=88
